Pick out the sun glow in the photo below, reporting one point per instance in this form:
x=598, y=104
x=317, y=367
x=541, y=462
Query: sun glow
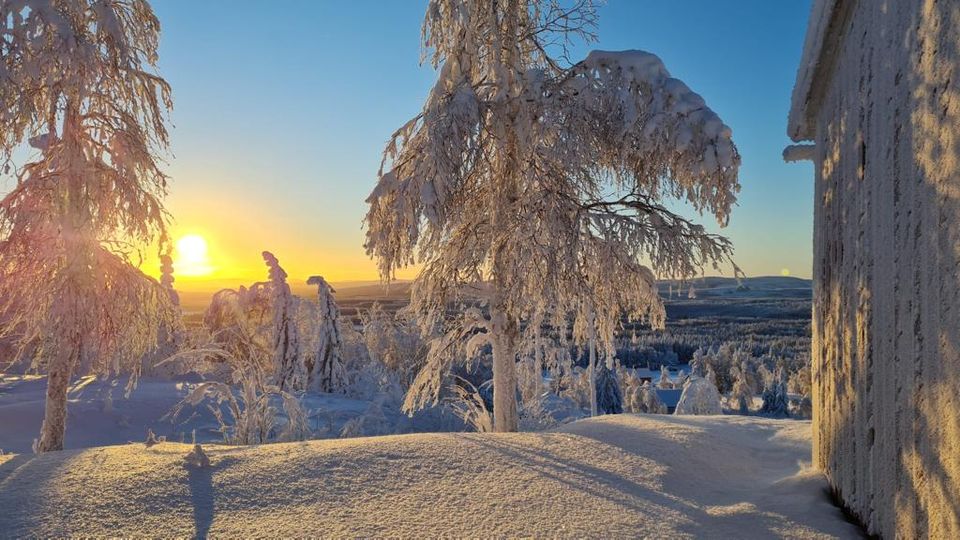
x=192, y=258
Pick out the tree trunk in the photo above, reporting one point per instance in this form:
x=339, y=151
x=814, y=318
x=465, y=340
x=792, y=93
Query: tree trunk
x=54, y=426
x=591, y=319
x=504, y=373
x=593, y=373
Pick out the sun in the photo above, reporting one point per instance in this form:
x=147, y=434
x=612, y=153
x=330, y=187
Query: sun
x=192, y=258
x=784, y=272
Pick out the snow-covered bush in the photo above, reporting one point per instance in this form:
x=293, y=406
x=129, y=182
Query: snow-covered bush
x=371, y=423
x=251, y=413
x=393, y=341
x=665, y=381
x=577, y=387
x=699, y=396
x=469, y=405
x=650, y=400
x=639, y=396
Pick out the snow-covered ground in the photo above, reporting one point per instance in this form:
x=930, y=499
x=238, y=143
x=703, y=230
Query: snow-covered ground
x=99, y=414
x=613, y=476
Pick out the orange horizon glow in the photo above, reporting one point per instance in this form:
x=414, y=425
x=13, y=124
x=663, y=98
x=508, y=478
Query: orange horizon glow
x=206, y=259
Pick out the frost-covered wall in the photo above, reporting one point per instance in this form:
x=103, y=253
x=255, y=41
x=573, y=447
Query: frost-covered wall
x=882, y=102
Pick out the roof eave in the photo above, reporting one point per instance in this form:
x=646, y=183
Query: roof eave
x=824, y=32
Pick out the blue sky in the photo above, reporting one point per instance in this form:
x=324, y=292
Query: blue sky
x=282, y=111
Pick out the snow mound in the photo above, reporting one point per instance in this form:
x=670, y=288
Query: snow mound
x=699, y=396
x=613, y=476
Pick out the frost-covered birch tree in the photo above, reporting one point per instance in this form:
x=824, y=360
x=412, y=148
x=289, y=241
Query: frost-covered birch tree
x=535, y=187
x=327, y=373
x=290, y=374
x=78, y=83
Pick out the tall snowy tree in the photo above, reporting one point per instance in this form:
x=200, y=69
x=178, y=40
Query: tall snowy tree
x=290, y=374
x=327, y=372
x=77, y=83
x=535, y=187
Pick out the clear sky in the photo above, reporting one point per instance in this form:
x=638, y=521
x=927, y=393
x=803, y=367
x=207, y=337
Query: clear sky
x=282, y=110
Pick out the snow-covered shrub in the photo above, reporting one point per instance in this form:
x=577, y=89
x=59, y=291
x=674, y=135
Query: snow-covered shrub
x=643, y=398
x=469, y=405
x=699, y=396
x=245, y=403
x=665, y=381
x=802, y=407
x=393, y=341
x=577, y=387
x=371, y=423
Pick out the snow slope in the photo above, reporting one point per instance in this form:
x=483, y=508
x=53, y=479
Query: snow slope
x=613, y=476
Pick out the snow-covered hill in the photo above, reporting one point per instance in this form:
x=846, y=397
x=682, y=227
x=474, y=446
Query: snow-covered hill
x=614, y=476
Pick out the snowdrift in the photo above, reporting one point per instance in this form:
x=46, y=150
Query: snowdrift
x=613, y=476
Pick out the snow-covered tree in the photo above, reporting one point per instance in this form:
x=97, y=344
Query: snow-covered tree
x=608, y=397
x=536, y=187
x=699, y=396
x=741, y=395
x=651, y=400
x=290, y=374
x=327, y=373
x=77, y=82
x=698, y=362
x=665, y=380
x=644, y=399
x=775, y=399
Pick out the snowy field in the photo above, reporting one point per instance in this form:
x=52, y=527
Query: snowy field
x=613, y=476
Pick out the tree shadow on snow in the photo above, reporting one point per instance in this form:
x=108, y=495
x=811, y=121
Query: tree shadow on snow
x=203, y=495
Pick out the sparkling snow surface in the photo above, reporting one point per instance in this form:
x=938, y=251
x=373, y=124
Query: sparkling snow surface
x=614, y=476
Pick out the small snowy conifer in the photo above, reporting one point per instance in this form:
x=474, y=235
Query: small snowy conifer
x=327, y=372
x=609, y=398
x=290, y=371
